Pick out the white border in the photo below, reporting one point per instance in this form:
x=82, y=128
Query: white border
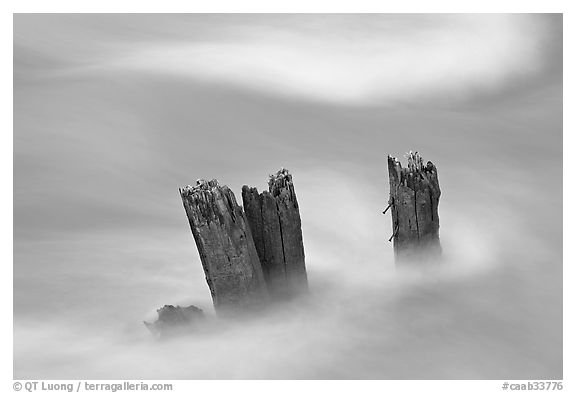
x=246, y=6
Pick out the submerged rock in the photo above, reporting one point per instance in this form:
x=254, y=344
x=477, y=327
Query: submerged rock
x=175, y=318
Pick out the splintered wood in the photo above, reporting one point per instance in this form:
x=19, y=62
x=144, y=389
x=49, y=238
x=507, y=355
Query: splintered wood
x=248, y=257
x=414, y=197
x=225, y=245
x=274, y=218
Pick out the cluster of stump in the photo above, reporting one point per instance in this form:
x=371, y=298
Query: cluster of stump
x=250, y=255
x=254, y=255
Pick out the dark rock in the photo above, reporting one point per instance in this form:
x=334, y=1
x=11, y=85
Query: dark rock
x=414, y=197
x=175, y=318
x=274, y=219
x=225, y=245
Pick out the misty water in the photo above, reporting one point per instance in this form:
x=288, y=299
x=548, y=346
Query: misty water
x=101, y=239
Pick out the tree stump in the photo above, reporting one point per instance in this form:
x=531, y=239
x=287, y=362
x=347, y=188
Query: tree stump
x=274, y=219
x=414, y=197
x=225, y=245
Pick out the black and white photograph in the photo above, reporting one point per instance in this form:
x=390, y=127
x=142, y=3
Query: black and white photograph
x=288, y=196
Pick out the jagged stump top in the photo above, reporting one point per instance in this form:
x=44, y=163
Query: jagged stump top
x=281, y=187
x=414, y=174
x=213, y=201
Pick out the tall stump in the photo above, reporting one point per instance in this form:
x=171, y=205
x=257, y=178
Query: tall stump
x=274, y=219
x=414, y=197
x=225, y=245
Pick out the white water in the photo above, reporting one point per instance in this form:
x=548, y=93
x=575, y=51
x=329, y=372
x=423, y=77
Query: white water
x=101, y=239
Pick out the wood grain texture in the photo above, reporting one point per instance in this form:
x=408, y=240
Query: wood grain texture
x=226, y=247
x=414, y=198
x=274, y=216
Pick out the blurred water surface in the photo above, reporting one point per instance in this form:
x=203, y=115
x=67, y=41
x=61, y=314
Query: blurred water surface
x=101, y=239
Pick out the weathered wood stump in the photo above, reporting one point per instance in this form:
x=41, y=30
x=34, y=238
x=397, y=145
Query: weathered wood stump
x=274, y=219
x=225, y=245
x=414, y=197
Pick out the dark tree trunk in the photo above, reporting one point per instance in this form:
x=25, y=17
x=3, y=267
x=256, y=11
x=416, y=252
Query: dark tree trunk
x=274, y=218
x=414, y=197
x=225, y=245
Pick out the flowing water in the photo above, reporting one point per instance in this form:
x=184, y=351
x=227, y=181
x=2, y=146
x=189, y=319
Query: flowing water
x=101, y=239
